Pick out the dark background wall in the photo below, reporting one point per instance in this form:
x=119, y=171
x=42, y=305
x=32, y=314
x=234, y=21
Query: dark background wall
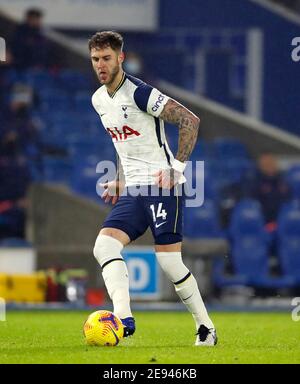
x=165, y=53
x=281, y=75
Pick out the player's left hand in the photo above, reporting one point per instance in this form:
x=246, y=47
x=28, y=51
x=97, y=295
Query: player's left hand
x=112, y=191
x=167, y=178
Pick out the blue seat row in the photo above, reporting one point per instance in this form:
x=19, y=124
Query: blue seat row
x=68, y=79
x=250, y=248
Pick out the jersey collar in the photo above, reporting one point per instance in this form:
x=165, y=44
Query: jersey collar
x=118, y=87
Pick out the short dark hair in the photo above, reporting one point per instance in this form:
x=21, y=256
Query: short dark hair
x=34, y=12
x=106, y=39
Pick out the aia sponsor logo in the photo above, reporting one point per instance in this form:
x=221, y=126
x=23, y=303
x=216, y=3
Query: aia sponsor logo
x=121, y=134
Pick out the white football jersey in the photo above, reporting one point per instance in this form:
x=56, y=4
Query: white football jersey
x=131, y=117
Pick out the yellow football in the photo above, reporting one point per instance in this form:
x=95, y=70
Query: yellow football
x=103, y=328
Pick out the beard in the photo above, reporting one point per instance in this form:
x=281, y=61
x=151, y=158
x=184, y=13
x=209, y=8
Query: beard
x=110, y=76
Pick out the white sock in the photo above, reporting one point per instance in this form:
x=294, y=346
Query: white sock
x=115, y=276
x=190, y=295
x=107, y=251
x=187, y=290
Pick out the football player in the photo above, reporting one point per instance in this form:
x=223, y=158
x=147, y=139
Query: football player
x=133, y=114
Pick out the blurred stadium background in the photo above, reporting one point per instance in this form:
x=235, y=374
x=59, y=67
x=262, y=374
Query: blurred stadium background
x=230, y=62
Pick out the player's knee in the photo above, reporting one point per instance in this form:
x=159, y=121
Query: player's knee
x=172, y=264
x=107, y=248
x=166, y=259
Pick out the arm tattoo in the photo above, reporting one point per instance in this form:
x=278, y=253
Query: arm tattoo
x=188, y=123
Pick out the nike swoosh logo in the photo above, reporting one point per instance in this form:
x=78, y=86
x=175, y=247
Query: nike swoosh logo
x=187, y=297
x=159, y=225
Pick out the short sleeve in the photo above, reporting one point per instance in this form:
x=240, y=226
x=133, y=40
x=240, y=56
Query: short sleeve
x=150, y=99
x=94, y=103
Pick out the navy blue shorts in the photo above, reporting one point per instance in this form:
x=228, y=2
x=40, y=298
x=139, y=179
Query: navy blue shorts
x=134, y=213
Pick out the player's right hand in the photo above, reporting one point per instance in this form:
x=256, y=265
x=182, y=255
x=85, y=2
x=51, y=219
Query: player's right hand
x=112, y=191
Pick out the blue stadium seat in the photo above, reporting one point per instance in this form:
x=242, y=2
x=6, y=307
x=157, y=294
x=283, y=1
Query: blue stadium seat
x=56, y=101
x=288, y=219
x=88, y=124
x=202, y=222
x=57, y=170
x=249, y=258
x=235, y=171
x=85, y=178
x=211, y=189
x=73, y=80
x=293, y=178
x=61, y=116
x=40, y=79
x=222, y=279
x=54, y=142
x=68, y=128
x=83, y=103
x=289, y=239
x=50, y=92
x=250, y=250
x=194, y=41
x=203, y=151
x=229, y=148
x=85, y=146
x=247, y=219
x=13, y=76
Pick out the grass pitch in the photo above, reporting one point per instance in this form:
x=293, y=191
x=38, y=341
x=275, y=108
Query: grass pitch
x=166, y=338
